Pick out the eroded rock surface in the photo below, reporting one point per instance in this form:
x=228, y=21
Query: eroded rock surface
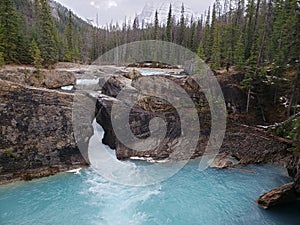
x=278, y=196
x=51, y=79
x=36, y=132
x=245, y=143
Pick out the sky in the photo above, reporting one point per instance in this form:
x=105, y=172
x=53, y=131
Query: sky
x=117, y=10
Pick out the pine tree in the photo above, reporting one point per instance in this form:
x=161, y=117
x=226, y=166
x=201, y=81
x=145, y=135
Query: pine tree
x=169, y=25
x=207, y=36
x=47, y=38
x=250, y=27
x=182, y=27
x=192, y=42
x=156, y=26
x=8, y=22
x=200, y=51
x=212, y=29
x=94, y=50
x=239, y=54
x=136, y=24
x=22, y=46
x=37, y=59
x=216, y=48
x=69, y=52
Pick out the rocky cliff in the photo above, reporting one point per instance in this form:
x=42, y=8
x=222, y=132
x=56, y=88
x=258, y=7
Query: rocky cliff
x=247, y=144
x=242, y=143
x=36, y=132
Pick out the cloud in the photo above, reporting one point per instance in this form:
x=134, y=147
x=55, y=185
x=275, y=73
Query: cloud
x=106, y=4
x=112, y=4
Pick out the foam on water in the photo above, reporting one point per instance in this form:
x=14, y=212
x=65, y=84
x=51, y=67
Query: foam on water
x=190, y=197
x=87, y=81
x=209, y=197
x=149, y=72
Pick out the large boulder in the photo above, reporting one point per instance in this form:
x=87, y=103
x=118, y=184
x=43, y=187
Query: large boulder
x=222, y=161
x=278, y=196
x=133, y=74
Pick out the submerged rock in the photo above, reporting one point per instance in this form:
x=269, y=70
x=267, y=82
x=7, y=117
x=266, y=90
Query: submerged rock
x=278, y=196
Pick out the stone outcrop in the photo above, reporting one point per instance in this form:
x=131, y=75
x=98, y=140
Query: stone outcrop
x=38, y=135
x=278, y=196
x=134, y=74
x=294, y=170
x=246, y=144
x=143, y=111
x=242, y=144
x=36, y=132
x=51, y=79
x=222, y=161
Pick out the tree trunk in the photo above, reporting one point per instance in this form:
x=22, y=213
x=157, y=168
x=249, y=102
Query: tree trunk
x=248, y=100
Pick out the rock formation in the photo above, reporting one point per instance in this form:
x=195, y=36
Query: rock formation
x=36, y=132
x=38, y=138
x=278, y=196
x=50, y=79
x=246, y=144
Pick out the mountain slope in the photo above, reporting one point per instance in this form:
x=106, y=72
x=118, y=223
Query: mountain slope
x=82, y=31
x=148, y=13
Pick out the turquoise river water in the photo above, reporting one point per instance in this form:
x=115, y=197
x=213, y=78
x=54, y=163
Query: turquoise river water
x=190, y=197
x=210, y=197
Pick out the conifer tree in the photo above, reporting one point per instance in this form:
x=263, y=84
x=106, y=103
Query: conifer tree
x=206, y=38
x=216, y=48
x=212, y=29
x=239, y=54
x=37, y=59
x=94, y=50
x=8, y=22
x=22, y=46
x=250, y=27
x=47, y=35
x=182, y=27
x=169, y=25
x=156, y=26
x=69, y=52
x=200, y=51
x=192, y=44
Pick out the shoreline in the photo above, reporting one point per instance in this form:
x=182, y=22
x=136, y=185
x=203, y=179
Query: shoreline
x=29, y=151
x=38, y=174
x=83, y=167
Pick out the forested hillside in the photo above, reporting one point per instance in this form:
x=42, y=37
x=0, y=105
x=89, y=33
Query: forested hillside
x=42, y=32
x=253, y=32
